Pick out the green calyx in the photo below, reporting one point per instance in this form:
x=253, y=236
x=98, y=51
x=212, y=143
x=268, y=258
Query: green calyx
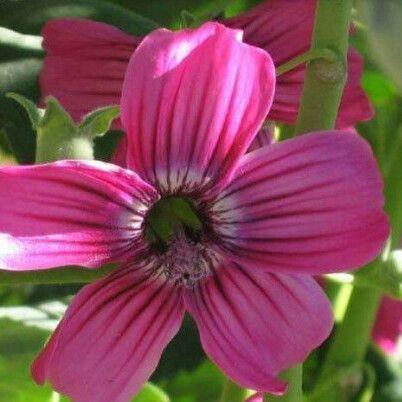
x=171, y=217
x=58, y=136
x=384, y=274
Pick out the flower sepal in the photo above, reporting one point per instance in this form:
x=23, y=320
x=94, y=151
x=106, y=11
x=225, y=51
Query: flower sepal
x=392, y=273
x=384, y=273
x=58, y=136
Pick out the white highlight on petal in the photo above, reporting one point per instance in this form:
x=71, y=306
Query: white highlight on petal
x=9, y=247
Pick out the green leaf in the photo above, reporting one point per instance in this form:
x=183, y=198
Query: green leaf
x=378, y=87
x=18, y=75
x=187, y=19
x=18, y=348
x=6, y=149
x=151, y=393
x=44, y=316
x=191, y=386
x=33, y=111
x=98, y=122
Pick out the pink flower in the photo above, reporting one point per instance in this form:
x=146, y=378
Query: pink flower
x=265, y=136
x=85, y=64
x=86, y=61
x=192, y=103
x=388, y=326
x=284, y=28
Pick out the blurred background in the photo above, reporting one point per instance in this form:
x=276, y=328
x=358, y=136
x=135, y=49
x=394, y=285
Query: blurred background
x=28, y=313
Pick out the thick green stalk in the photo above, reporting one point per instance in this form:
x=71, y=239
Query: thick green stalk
x=325, y=79
x=54, y=275
x=293, y=377
x=232, y=392
x=321, y=97
x=348, y=348
x=332, y=290
x=324, y=82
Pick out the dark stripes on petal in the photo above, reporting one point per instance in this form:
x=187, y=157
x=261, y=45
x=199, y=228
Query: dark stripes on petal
x=312, y=204
x=112, y=336
x=254, y=324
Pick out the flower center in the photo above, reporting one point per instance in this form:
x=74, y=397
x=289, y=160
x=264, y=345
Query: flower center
x=184, y=261
x=175, y=232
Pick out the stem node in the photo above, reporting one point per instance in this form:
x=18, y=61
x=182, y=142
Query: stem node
x=329, y=71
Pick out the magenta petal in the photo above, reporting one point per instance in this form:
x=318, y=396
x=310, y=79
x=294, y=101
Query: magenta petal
x=355, y=105
x=85, y=64
x=281, y=27
x=388, y=325
x=284, y=28
x=254, y=324
x=265, y=136
x=192, y=102
x=312, y=204
x=70, y=213
x=111, y=338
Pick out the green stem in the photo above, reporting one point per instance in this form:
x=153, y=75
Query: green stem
x=232, y=392
x=321, y=97
x=349, y=346
x=332, y=290
x=325, y=79
x=293, y=377
x=54, y=276
x=324, y=82
x=340, y=301
x=312, y=54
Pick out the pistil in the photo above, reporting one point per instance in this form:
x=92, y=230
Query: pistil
x=184, y=261
x=176, y=234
